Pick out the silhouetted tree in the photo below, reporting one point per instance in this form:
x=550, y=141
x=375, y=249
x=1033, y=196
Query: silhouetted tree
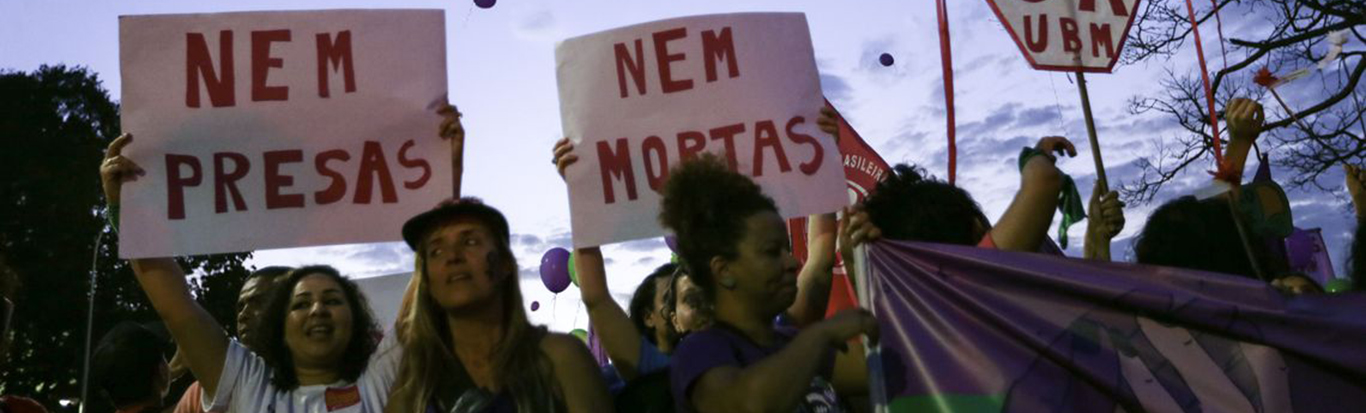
x=54, y=125
x=1326, y=128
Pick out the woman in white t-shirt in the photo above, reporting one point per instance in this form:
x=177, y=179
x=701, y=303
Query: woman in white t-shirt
x=318, y=350
x=317, y=336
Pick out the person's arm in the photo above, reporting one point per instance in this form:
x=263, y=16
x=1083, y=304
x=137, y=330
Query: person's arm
x=577, y=374
x=196, y=332
x=1105, y=222
x=204, y=342
x=453, y=130
x=778, y=382
x=1356, y=187
x=1025, y=222
x=190, y=401
x=813, y=284
x=201, y=337
x=855, y=229
x=612, y=324
x=850, y=375
x=1244, y=118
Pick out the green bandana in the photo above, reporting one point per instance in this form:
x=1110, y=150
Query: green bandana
x=1069, y=199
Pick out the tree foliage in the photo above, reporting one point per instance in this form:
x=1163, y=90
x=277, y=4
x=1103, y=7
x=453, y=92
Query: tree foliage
x=1325, y=126
x=54, y=125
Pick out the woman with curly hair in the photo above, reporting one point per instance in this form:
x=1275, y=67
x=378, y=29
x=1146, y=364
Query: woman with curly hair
x=734, y=244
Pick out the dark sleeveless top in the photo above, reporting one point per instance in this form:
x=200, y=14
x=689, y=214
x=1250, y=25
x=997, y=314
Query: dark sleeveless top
x=459, y=394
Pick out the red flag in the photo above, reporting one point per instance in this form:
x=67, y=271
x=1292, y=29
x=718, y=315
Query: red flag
x=863, y=169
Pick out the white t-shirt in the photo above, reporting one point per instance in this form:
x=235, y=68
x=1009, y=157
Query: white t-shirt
x=245, y=385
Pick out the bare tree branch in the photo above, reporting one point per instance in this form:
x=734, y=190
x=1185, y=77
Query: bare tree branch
x=1331, y=129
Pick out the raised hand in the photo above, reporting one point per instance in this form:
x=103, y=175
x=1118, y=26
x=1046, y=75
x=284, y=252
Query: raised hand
x=1050, y=145
x=116, y=169
x=855, y=229
x=1244, y=117
x=1107, y=213
x=1105, y=222
x=829, y=122
x=847, y=325
x=451, y=129
x=564, y=155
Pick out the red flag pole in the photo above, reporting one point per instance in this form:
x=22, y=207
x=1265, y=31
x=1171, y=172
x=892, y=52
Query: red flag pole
x=946, y=58
x=1209, y=94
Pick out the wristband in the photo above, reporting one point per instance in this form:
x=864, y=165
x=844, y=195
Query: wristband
x=1028, y=153
x=111, y=216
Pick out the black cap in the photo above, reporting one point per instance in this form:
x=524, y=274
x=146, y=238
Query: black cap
x=417, y=226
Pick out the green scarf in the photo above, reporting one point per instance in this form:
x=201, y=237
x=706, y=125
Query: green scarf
x=1069, y=199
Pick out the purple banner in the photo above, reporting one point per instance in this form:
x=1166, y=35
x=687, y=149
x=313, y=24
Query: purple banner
x=971, y=329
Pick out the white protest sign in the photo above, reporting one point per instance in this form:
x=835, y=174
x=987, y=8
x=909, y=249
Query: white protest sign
x=280, y=129
x=1068, y=35
x=637, y=100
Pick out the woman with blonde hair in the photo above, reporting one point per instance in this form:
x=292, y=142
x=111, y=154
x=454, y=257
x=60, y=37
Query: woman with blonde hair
x=468, y=345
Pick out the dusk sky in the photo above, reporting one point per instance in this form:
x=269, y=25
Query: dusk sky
x=501, y=72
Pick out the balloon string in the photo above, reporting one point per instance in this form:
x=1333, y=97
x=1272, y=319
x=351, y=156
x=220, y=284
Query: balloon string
x=576, y=314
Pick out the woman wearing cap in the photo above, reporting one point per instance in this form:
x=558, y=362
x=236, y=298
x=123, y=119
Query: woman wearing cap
x=317, y=338
x=735, y=245
x=468, y=346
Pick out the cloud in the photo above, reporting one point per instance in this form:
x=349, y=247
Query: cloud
x=644, y=245
x=1037, y=116
x=997, y=120
x=538, y=25
x=835, y=88
x=534, y=244
x=526, y=240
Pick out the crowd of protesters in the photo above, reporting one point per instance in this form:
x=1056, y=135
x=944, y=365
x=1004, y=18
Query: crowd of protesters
x=736, y=324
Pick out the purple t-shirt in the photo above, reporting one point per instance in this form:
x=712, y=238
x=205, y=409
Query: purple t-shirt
x=722, y=345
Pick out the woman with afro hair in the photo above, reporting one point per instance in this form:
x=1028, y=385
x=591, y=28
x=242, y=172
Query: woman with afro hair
x=734, y=244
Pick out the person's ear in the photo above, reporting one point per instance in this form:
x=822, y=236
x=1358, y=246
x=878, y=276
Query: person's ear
x=720, y=270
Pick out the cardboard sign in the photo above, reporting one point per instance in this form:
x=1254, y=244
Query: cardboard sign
x=280, y=129
x=640, y=99
x=1068, y=35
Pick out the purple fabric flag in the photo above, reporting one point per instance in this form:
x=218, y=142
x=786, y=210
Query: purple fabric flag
x=977, y=330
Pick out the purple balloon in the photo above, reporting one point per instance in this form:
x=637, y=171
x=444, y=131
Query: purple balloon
x=886, y=59
x=672, y=242
x=484, y=4
x=535, y=305
x=555, y=269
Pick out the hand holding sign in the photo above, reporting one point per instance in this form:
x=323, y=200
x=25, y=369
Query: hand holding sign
x=564, y=155
x=453, y=131
x=116, y=169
